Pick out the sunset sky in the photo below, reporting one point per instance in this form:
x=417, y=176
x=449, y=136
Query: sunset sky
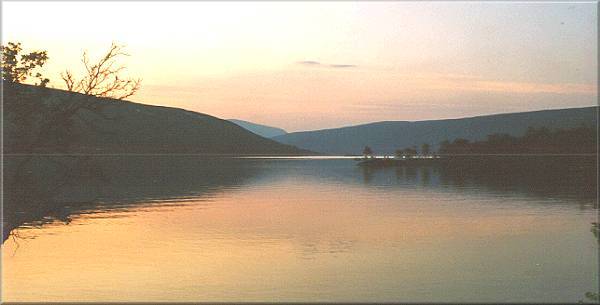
x=313, y=65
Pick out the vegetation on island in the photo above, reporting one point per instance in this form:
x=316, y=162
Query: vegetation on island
x=407, y=152
x=579, y=140
x=367, y=152
x=388, y=136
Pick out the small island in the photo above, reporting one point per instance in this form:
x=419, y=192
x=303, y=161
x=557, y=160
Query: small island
x=535, y=143
x=401, y=157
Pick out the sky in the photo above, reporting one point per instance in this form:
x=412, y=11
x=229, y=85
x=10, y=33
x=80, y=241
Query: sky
x=314, y=65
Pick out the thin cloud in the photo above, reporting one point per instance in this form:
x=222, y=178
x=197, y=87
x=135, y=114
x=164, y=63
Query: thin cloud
x=517, y=87
x=312, y=63
x=309, y=63
x=461, y=82
x=342, y=66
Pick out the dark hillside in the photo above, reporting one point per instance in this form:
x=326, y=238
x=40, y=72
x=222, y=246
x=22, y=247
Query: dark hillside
x=120, y=127
x=386, y=137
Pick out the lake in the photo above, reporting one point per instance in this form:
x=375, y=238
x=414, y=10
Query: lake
x=188, y=228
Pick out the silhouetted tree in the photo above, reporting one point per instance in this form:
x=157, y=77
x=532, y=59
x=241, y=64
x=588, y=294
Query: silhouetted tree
x=581, y=139
x=367, y=152
x=38, y=120
x=411, y=151
x=102, y=78
x=41, y=120
x=444, y=147
x=458, y=146
x=17, y=67
x=399, y=153
x=425, y=149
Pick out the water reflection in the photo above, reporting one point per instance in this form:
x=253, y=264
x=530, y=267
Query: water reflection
x=43, y=189
x=220, y=229
x=570, y=179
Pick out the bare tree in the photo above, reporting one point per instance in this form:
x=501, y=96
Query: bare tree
x=102, y=79
x=38, y=120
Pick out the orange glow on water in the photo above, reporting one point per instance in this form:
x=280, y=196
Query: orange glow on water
x=276, y=243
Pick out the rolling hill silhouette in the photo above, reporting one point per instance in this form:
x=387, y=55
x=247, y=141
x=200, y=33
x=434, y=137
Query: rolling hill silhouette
x=386, y=137
x=259, y=129
x=126, y=127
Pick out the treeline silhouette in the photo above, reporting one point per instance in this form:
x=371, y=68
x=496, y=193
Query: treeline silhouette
x=577, y=140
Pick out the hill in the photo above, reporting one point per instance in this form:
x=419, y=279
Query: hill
x=386, y=137
x=259, y=129
x=105, y=125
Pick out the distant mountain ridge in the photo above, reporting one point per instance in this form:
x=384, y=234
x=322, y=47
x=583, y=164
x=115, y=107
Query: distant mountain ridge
x=259, y=129
x=385, y=137
x=127, y=127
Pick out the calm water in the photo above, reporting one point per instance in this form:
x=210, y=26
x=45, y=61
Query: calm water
x=193, y=229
